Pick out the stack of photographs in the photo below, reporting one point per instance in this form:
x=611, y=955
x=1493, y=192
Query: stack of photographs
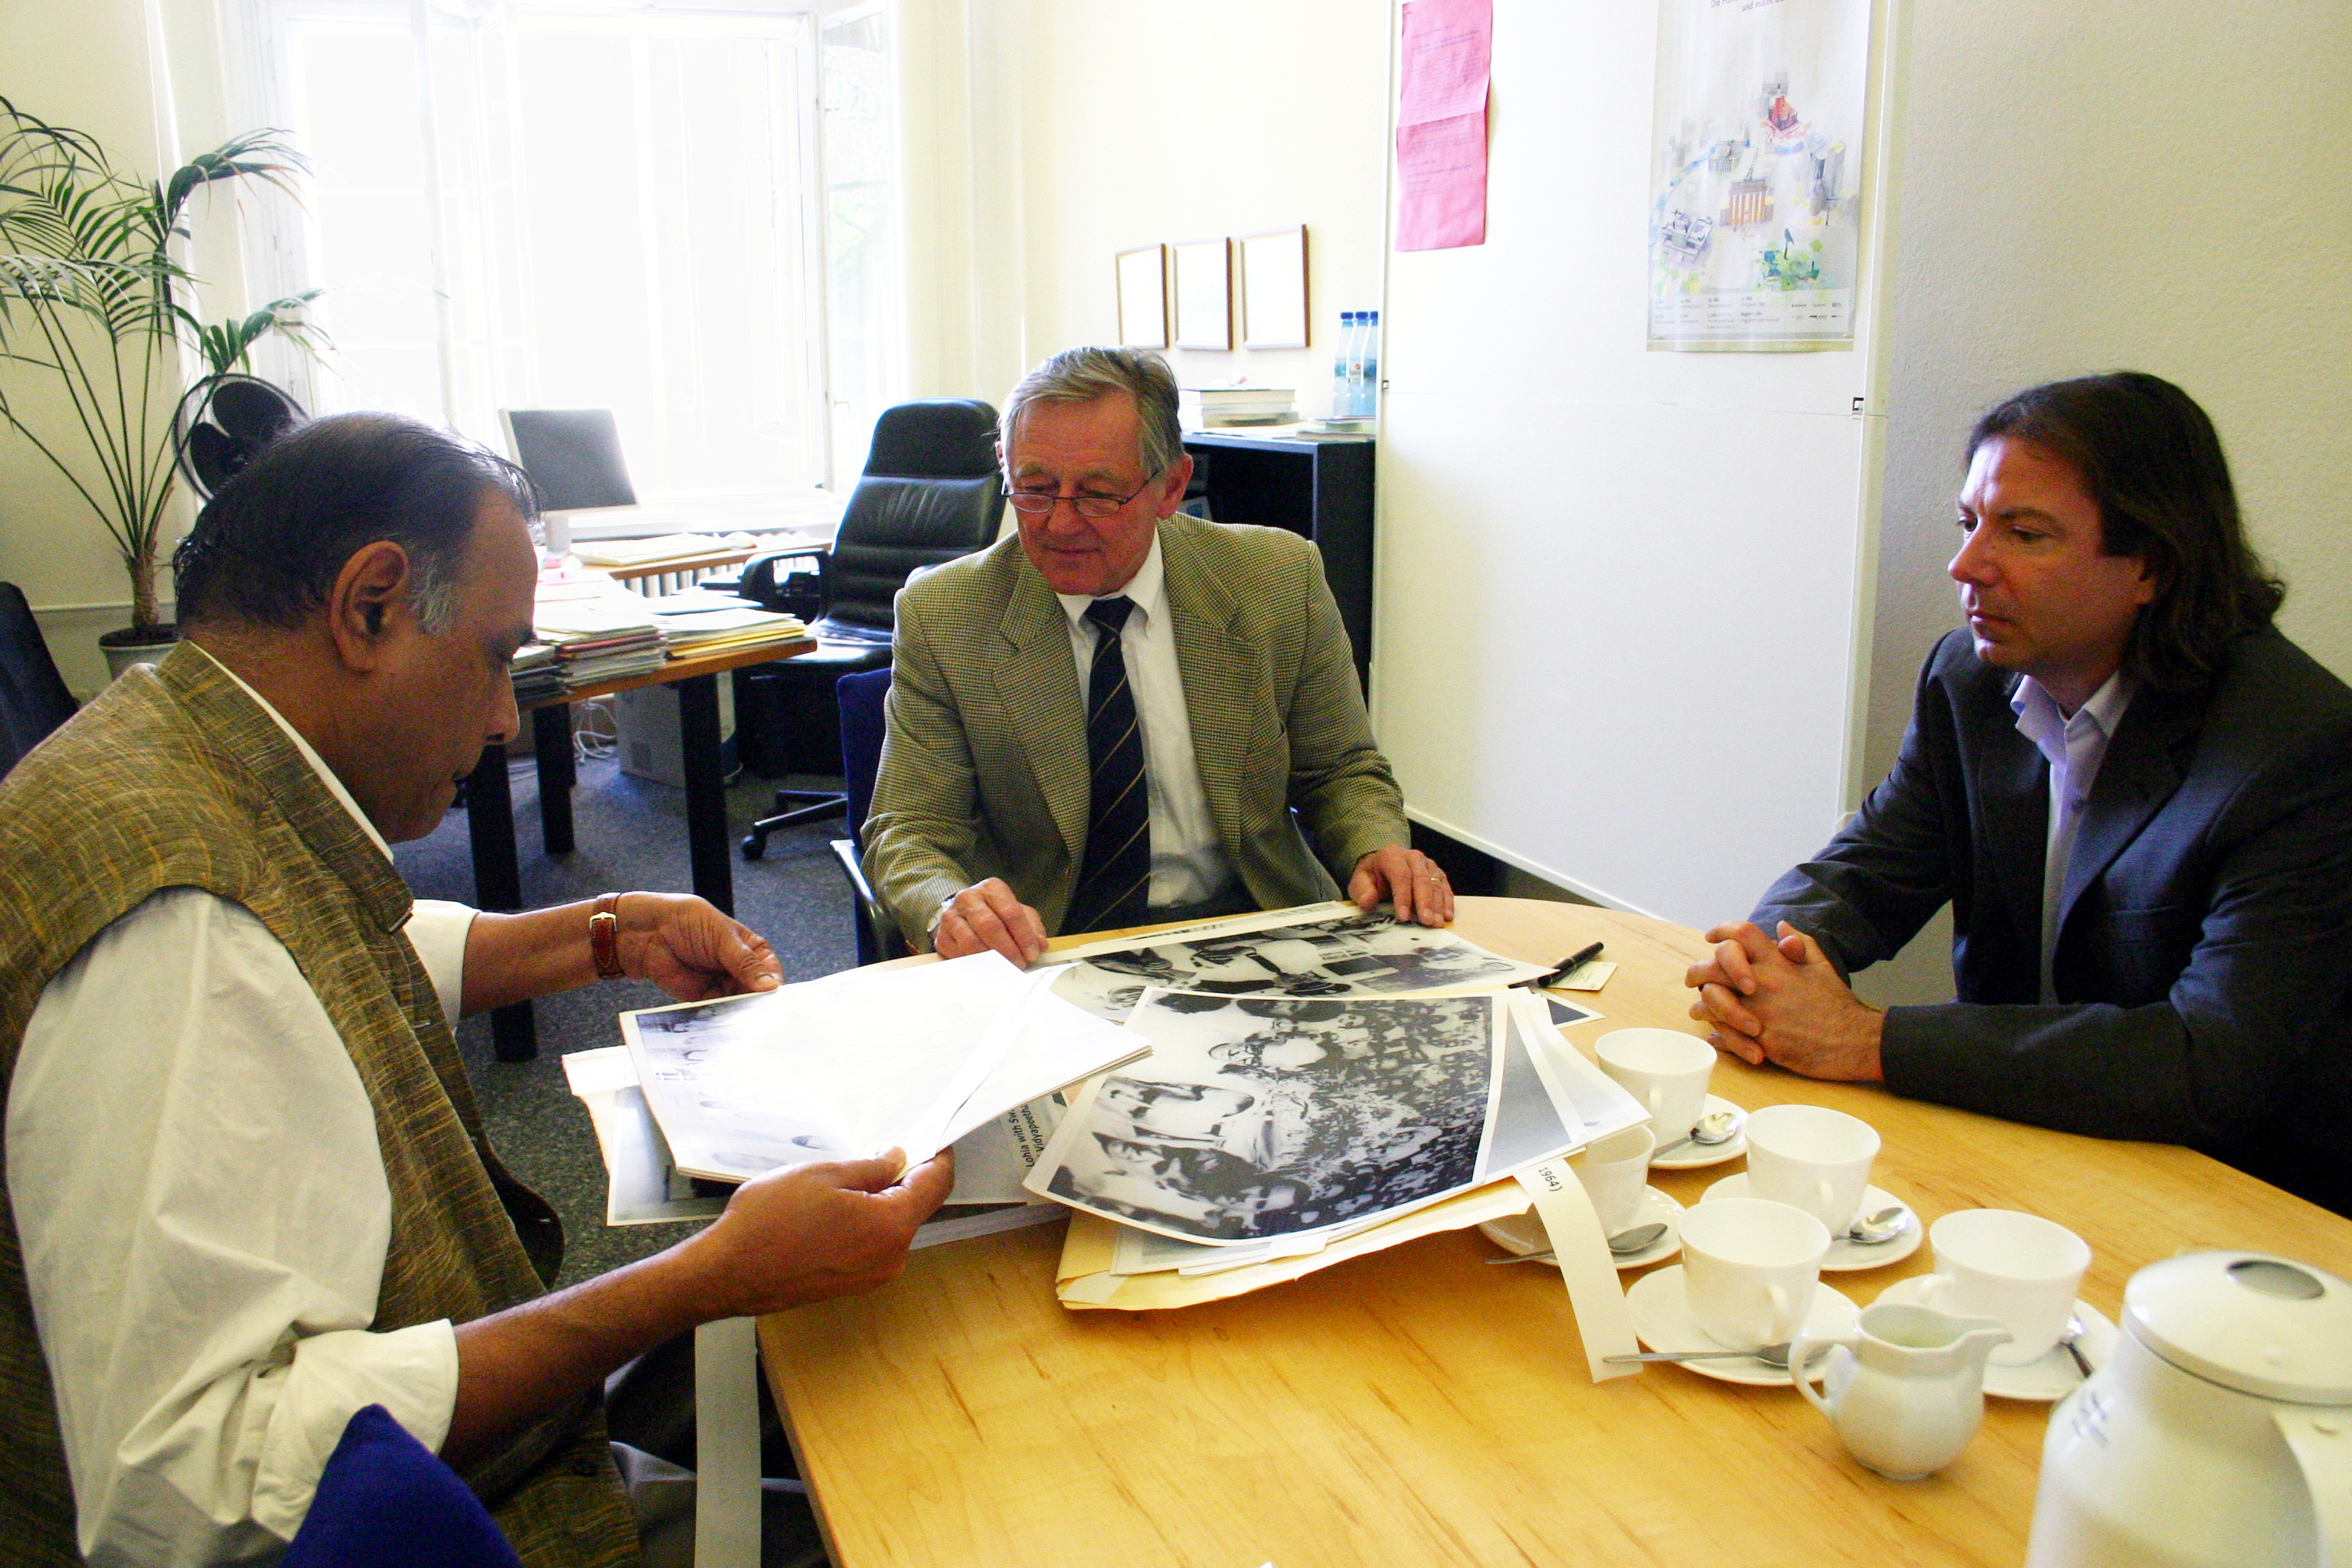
x=1268, y=1123
x=1319, y=950
x=1322, y=1082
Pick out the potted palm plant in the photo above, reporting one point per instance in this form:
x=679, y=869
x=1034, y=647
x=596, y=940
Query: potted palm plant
x=95, y=303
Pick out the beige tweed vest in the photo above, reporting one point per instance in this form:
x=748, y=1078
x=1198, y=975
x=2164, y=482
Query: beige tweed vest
x=174, y=777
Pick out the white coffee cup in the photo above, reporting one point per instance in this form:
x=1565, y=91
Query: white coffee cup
x=1665, y=1069
x=1615, y=1171
x=1812, y=1158
x=2018, y=1268
x=1750, y=1269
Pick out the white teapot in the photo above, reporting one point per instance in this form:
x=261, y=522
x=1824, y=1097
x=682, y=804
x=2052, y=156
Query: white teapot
x=2220, y=1434
x=1905, y=1390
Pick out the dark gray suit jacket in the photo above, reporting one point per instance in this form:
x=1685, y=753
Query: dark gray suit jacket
x=2204, y=958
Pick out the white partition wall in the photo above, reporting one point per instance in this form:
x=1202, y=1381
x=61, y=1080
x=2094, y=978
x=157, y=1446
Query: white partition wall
x=1624, y=596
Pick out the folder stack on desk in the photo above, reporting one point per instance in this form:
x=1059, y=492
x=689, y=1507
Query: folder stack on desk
x=693, y=633
x=601, y=639
x=538, y=676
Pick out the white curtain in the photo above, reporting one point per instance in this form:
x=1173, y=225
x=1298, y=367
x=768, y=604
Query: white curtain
x=567, y=204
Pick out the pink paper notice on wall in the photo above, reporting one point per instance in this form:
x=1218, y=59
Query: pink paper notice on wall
x=1441, y=124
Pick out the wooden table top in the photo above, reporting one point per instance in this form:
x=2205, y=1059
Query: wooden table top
x=1417, y=1407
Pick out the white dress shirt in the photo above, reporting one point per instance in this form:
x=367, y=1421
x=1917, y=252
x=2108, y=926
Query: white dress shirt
x=204, y=1214
x=2074, y=747
x=1188, y=859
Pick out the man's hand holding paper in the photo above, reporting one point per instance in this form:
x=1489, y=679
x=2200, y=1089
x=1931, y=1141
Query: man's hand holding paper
x=814, y=1231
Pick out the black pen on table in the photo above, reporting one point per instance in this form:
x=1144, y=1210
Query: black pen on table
x=1567, y=967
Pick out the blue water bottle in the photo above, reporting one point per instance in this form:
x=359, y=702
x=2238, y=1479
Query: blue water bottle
x=1368, y=388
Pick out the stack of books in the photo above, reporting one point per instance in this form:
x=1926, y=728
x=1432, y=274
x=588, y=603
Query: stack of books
x=538, y=678
x=1224, y=408
x=602, y=639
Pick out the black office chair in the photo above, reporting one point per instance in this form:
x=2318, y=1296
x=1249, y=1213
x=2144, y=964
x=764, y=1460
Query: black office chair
x=930, y=493
x=33, y=695
x=863, y=697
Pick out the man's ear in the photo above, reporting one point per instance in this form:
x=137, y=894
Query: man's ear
x=368, y=603
x=1179, y=476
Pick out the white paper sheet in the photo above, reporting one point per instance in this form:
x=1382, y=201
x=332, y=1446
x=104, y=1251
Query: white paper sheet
x=840, y=1067
x=846, y=1067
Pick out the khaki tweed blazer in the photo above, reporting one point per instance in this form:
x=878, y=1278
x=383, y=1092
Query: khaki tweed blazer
x=985, y=769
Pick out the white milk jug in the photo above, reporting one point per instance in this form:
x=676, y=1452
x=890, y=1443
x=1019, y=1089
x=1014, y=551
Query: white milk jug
x=2220, y=1434
x=1905, y=1389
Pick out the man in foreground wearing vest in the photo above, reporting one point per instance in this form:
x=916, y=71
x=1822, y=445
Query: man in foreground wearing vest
x=2135, y=793
x=247, y=1192
x=1110, y=719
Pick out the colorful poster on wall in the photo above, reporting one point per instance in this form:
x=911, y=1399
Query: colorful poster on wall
x=1754, y=215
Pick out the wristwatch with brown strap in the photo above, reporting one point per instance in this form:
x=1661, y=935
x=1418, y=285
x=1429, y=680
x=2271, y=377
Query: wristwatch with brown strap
x=604, y=936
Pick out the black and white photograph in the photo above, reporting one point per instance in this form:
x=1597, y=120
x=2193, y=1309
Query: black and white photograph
x=1350, y=954
x=1262, y=1116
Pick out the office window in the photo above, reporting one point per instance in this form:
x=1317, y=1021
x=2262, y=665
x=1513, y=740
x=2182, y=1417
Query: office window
x=575, y=203
x=861, y=229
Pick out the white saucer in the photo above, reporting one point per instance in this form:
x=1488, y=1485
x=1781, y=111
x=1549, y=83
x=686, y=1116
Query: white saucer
x=1524, y=1233
x=1691, y=1156
x=1662, y=1317
x=1846, y=1255
x=2055, y=1375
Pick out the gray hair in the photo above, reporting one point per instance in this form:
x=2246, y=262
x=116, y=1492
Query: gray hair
x=1086, y=375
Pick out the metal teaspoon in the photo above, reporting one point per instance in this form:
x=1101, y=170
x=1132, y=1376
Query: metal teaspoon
x=1624, y=1241
x=1876, y=1229
x=1715, y=1127
x=1771, y=1355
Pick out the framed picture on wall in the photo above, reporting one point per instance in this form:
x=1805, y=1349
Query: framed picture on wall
x=1274, y=288
x=1143, y=297
x=1205, y=299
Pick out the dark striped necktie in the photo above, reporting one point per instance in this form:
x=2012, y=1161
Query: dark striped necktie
x=1115, y=880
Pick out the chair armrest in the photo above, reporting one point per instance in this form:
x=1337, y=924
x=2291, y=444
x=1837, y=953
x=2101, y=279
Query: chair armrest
x=762, y=578
x=879, y=940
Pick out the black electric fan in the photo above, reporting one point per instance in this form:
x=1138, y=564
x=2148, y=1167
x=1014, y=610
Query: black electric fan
x=223, y=420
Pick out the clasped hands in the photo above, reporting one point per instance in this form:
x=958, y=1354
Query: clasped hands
x=1785, y=1003
x=990, y=915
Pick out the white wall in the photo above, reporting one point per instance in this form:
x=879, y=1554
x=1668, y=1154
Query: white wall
x=1618, y=630
x=1136, y=123
x=144, y=79
x=2092, y=188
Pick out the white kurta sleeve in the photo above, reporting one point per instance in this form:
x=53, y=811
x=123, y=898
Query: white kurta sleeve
x=438, y=930
x=202, y=1204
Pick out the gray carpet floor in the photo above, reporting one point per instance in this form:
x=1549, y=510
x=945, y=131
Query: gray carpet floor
x=631, y=833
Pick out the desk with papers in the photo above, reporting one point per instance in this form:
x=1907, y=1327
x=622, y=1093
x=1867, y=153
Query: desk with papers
x=626, y=658
x=1417, y=1406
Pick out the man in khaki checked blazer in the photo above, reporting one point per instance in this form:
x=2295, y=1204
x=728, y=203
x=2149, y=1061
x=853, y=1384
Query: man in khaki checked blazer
x=986, y=830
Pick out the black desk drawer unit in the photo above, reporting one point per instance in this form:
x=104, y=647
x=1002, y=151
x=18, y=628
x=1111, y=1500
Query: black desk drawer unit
x=1322, y=489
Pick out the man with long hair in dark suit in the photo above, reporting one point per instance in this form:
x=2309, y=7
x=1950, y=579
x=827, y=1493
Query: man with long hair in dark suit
x=2135, y=793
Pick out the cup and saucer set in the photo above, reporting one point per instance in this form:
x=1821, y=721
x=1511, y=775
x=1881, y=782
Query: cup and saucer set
x=1756, y=1243
x=1817, y=1167
x=1666, y=1070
